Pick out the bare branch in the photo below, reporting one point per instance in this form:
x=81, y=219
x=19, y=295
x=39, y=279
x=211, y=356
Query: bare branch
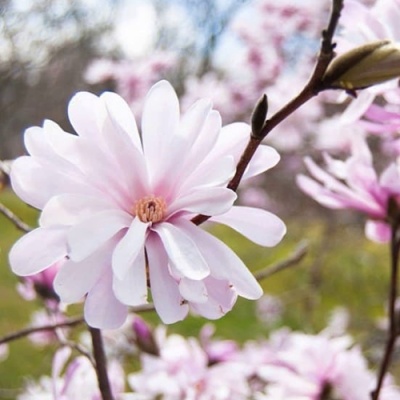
x=294, y=259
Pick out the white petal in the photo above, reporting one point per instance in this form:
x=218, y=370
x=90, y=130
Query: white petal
x=129, y=247
x=122, y=116
x=193, y=291
x=378, y=231
x=264, y=158
x=167, y=300
x=87, y=236
x=102, y=309
x=260, y=226
x=223, y=262
x=70, y=209
x=132, y=290
x=182, y=251
x=74, y=280
x=160, y=121
x=37, y=250
x=209, y=201
x=84, y=113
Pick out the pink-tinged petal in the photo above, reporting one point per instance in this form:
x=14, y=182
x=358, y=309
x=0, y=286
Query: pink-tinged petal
x=87, y=236
x=216, y=173
x=102, y=309
x=59, y=360
x=182, y=251
x=84, y=113
x=75, y=279
x=264, y=159
x=260, y=226
x=319, y=193
x=205, y=142
x=129, y=248
x=390, y=179
x=169, y=304
x=223, y=262
x=132, y=290
x=209, y=201
x=160, y=121
x=222, y=298
x=193, y=291
x=357, y=107
x=122, y=116
x=70, y=209
x=378, y=231
x=37, y=250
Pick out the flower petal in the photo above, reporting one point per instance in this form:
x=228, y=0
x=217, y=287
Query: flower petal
x=182, y=251
x=75, y=279
x=37, y=250
x=69, y=209
x=209, y=201
x=132, y=289
x=83, y=113
x=129, y=248
x=160, y=121
x=122, y=116
x=102, y=309
x=169, y=304
x=378, y=231
x=87, y=236
x=223, y=262
x=193, y=291
x=260, y=226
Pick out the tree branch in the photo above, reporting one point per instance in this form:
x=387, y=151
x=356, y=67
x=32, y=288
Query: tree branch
x=293, y=259
x=100, y=364
x=14, y=219
x=310, y=90
x=51, y=327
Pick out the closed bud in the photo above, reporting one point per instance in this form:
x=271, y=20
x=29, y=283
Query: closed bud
x=144, y=337
x=364, y=66
x=258, y=117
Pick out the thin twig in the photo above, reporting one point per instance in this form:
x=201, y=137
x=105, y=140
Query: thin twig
x=393, y=325
x=50, y=327
x=14, y=219
x=294, y=259
x=101, y=364
x=310, y=90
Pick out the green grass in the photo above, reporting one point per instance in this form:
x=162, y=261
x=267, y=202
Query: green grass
x=341, y=268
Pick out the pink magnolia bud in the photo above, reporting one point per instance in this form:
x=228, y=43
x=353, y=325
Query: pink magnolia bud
x=144, y=337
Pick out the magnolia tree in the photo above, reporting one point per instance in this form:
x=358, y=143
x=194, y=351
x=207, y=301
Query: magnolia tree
x=123, y=206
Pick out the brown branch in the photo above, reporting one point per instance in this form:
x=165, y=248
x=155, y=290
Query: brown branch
x=310, y=90
x=294, y=259
x=393, y=330
x=50, y=327
x=14, y=219
x=100, y=364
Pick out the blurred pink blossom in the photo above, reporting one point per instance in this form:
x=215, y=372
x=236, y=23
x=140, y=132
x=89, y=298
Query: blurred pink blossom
x=74, y=380
x=110, y=195
x=354, y=184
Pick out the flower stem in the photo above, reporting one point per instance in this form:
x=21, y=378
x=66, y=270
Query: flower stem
x=101, y=364
x=393, y=325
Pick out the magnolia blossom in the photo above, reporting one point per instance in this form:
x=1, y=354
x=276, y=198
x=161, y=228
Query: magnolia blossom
x=118, y=205
x=74, y=380
x=354, y=184
x=315, y=367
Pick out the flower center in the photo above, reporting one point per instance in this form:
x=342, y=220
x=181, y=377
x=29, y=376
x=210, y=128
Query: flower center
x=150, y=209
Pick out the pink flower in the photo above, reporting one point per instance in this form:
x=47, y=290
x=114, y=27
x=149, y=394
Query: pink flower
x=118, y=204
x=354, y=184
x=74, y=380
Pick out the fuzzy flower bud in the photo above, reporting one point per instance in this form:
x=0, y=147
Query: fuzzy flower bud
x=364, y=66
